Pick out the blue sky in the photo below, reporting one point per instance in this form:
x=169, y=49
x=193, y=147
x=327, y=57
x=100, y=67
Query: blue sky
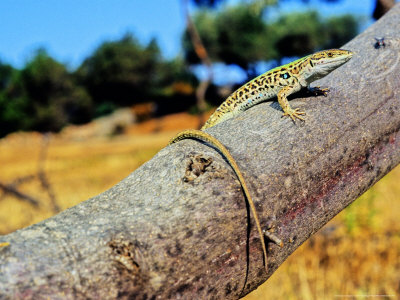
x=71, y=30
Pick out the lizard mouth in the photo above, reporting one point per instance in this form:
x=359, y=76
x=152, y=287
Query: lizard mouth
x=335, y=61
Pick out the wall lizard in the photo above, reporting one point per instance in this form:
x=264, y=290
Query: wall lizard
x=279, y=82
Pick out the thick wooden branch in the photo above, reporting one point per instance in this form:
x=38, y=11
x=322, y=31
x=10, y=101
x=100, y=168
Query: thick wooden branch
x=157, y=236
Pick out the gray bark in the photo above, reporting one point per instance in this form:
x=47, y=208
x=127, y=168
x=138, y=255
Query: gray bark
x=156, y=236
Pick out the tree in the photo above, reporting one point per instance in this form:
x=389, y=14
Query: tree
x=339, y=30
x=12, y=110
x=174, y=87
x=13, y=114
x=241, y=35
x=121, y=72
x=233, y=36
x=42, y=96
x=6, y=72
x=55, y=100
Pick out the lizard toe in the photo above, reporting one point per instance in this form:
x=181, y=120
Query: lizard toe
x=293, y=114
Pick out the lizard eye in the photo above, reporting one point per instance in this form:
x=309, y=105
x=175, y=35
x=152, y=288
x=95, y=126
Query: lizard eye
x=285, y=75
x=330, y=54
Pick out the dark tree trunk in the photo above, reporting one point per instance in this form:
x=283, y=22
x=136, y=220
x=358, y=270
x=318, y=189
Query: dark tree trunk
x=382, y=7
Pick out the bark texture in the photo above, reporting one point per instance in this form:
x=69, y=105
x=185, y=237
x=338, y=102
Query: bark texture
x=175, y=230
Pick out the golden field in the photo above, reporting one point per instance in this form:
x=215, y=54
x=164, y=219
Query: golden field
x=355, y=256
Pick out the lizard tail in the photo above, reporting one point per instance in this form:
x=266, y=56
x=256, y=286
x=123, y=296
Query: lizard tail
x=205, y=137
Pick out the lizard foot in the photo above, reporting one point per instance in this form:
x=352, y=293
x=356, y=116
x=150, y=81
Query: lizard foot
x=294, y=113
x=318, y=91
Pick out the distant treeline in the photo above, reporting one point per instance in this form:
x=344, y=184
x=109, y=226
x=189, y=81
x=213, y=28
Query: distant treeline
x=45, y=96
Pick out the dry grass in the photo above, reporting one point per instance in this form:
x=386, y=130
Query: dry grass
x=357, y=253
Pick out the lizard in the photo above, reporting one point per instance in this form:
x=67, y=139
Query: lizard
x=279, y=82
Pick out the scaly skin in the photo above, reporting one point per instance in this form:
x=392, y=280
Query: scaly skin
x=279, y=82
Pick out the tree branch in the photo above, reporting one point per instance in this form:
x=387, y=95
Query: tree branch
x=154, y=235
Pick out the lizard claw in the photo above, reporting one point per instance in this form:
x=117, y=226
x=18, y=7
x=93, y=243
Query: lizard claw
x=318, y=91
x=293, y=114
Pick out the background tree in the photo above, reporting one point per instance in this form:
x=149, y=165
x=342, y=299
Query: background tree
x=13, y=106
x=315, y=33
x=120, y=73
x=234, y=35
x=42, y=96
x=5, y=75
x=45, y=96
x=54, y=100
x=124, y=72
x=242, y=37
x=241, y=34
x=174, y=87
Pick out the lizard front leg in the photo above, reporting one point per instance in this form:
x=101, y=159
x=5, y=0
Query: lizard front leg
x=284, y=103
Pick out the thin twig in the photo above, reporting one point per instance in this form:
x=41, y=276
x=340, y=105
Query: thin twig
x=10, y=189
x=42, y=174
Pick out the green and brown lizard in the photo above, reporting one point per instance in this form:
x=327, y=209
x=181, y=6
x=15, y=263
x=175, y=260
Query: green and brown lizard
x=279, y=82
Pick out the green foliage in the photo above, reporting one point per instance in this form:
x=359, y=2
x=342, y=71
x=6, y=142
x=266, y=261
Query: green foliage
x=174, y=88
x=240, y=34
x=122, y=71
x=233, y=36
x=43, y=78
x=6, y=72
x=13, y=114
x=105, y=108
x=55, y=100
x=45, y=96
x=340, y=30
x=313, y=34
x=297, y=34
x=172, y=72
x=42, y=96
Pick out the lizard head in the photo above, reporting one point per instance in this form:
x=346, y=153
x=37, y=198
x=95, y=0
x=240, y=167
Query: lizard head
x=324, y=62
